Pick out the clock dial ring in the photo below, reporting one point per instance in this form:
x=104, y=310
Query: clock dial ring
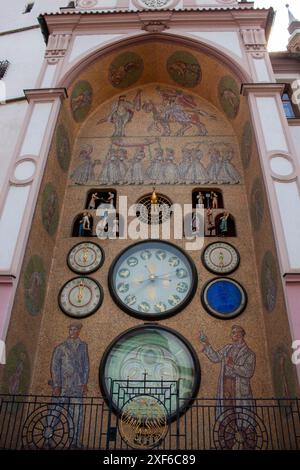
x=224, y=298
x=220, y=258
x=85, y=258
x=80, y=297
x=152, y=279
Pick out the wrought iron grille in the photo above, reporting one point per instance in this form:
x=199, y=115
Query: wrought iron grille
x=40, y=422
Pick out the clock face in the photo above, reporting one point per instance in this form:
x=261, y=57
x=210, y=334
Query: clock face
x=157, y=355
x=220, y=258
x=152, y=279
x=85, y=258
x=80, y=297
x=224, y=298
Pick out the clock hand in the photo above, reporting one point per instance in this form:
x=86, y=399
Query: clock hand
x=80, y=293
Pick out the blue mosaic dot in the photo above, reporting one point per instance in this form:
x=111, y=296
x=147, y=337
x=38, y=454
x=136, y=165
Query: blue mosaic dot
x=224, y=297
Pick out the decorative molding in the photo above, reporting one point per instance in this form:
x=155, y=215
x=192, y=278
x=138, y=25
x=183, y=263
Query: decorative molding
x=57, y=47
x=45, y=94
x=155, y=26
x=254, y=40
x=265, y=88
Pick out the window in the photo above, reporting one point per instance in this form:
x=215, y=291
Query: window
x=291, y=111
x=3, y=68
x=28, y=7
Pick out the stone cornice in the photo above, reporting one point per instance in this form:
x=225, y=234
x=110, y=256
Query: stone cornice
x=232, y=17
x=265, y=88
x=45, y=94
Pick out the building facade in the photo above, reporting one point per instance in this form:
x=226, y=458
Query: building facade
x=167, y=103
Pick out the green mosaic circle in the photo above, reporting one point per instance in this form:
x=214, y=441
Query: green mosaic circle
x=16, y=376
x=34, y=285
x=81, y=100
x=125, y=69
x=184, y=69
x=257, y=204
x=268, y=278
x=50, y=210
x=63, y=147
x=229, y=96
x=283, y=373
x=246, y=144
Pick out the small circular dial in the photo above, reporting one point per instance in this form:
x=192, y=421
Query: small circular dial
x=220, y=258
x=224, y=298
x=152, y=279
x=85, y=258
x=80, y=297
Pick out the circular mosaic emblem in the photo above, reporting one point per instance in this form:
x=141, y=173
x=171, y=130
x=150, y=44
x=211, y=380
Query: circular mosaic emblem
x=246, y=144
x=49, y=427
x=220, y=258
x=269, y=281
x=63, y=147
x=143, y=423
x=34, y=285
x=257, y=204
x=224, y=298
x=184, y=69
x=240, y=429
x=81, y=100
x=126, y=69
x=229, y=96
x=284, y=374
x=50, y=211
x=16, y=375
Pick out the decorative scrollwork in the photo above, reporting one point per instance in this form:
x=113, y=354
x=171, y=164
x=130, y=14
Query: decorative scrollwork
x=48, y=427
x=240, y=429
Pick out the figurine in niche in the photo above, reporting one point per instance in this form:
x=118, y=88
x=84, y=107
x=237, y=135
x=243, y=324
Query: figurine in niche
x=214, y=200
x=111, y=199
x=85, y=171
x=223, y=225
x=207, y=197
x=210, y=221
x=92, y=203
x=85, y=225
x=200, y=199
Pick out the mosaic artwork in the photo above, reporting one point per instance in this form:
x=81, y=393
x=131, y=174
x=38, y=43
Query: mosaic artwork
x=257, y=204
x=229, y=96
x=184, y=69
x=81, y=100
x=125, y=70
x=283, y=373
x=16, y=375
x=50, y=209
x=235, y=354
x=34, y=285
x=269, y=281
x=246, y=144
x=63, y=147
x=161, y=135
x=147, y=162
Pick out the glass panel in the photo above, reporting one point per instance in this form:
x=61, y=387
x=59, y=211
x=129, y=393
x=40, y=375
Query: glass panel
x=158, y=353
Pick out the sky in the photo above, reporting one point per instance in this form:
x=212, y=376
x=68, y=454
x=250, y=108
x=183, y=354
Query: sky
x=279, y=36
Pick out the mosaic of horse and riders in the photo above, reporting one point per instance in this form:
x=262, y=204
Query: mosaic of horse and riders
x=156, y=133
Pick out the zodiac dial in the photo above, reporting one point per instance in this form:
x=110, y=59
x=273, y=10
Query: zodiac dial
x=80, y=297
x=85, y=258
x=152, y=279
